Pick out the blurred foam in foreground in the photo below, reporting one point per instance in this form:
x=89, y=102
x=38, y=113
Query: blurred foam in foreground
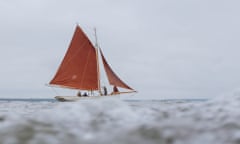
x=119, y=122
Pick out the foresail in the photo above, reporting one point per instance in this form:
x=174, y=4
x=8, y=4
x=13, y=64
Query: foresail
x=78, y=69
x=112, y=77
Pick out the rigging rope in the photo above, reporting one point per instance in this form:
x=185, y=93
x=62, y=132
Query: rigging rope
x=55, y=91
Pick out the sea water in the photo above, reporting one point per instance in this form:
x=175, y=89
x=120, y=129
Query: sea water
x=46, y=121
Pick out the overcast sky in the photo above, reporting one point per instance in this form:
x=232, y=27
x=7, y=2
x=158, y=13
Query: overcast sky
x=162, y=48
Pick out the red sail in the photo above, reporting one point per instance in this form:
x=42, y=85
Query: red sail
x=112, y=77
x=79, y=67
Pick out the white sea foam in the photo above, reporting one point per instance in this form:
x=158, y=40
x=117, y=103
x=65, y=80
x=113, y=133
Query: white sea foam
x=118, y=122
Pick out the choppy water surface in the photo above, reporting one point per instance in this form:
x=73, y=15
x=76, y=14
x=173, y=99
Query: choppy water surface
x=120, y=122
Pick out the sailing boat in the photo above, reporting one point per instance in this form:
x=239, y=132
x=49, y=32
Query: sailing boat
x=80, y=70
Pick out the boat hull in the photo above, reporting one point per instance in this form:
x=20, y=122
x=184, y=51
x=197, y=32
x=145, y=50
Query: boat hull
x=77, y=98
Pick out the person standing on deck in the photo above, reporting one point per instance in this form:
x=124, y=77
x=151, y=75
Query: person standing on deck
x=104, y=90
x=79, y=94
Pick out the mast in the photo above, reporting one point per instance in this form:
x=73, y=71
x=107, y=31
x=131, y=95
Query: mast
x=98, y=71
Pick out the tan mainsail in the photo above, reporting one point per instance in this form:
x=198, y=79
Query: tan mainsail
x=80, y=67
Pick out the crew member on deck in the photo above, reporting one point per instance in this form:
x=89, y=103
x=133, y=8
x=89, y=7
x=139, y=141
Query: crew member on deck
x=104, y=90
x=79, y=94
x=115, y=90
x=85, y=94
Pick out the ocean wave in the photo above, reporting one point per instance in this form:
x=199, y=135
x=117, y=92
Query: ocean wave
x=119, y=122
